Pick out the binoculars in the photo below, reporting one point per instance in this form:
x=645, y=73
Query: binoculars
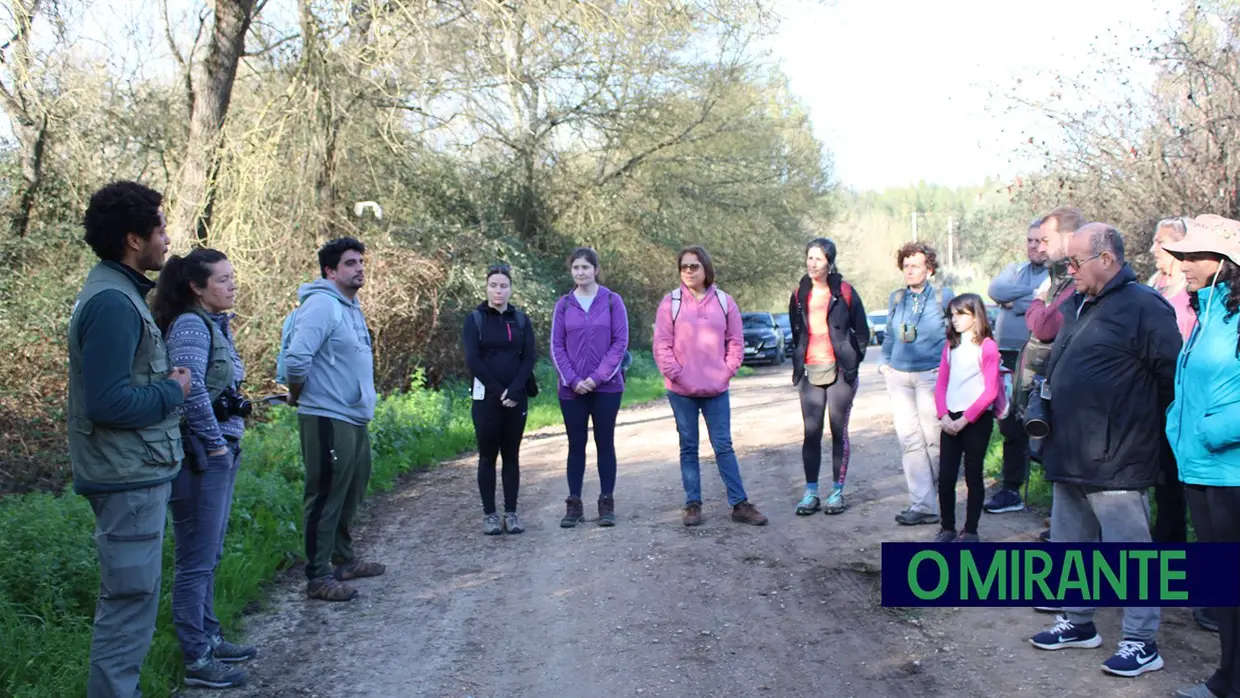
x=908, y=333
x=1038, y=409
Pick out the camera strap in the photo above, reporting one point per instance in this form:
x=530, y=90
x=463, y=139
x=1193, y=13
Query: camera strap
x=1077, y=327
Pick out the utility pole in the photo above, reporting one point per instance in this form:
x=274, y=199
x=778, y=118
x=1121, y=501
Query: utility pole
x=914, y=226
x=950, y=248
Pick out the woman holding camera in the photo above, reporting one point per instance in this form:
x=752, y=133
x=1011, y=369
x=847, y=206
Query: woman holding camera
x=912, y=348
x=191, y=305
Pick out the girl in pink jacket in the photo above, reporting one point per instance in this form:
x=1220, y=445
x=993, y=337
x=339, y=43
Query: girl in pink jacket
x=965, y=394
x=698, y=347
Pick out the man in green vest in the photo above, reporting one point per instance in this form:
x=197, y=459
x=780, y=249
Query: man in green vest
x=124, y=428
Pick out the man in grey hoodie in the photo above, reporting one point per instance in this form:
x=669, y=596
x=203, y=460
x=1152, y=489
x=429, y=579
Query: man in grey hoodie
x=330, y=364
x=1013, y=290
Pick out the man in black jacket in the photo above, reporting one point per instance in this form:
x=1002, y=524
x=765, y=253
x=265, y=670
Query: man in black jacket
x=1111, y=375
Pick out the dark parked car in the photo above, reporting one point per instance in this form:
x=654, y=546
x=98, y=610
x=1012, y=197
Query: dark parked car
x=785, y=324
x=764, y=340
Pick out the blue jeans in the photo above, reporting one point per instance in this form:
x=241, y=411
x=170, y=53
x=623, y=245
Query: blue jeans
x=717, y=411
x=201, y=503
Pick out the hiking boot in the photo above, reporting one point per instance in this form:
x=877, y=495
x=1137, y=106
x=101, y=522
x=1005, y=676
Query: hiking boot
x=574, y=514
x=512, y=522
x=606, y=510
x=357, y=569
x=693, y=514
x=491, y=526
x=229, y=653
x=1004, y=501
x=209, y=672
x=835, y=503
x=1045, y=536
x=968, y=538
x=809, y=504
x=1205, y=619
x=1066, y=634
x=746, y=513
x=945, y=536
x=908, y=517
x=1133, y=658
x=328, y=588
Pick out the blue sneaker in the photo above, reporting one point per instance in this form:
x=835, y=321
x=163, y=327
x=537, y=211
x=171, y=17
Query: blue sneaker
x=835, y=503
x=1133, y=658
x=1064, y=634
x=809, y=504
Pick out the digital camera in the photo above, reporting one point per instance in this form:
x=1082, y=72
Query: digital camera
x=231, y=404
x=1038, y=411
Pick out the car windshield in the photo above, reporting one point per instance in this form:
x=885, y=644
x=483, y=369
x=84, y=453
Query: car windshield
x=878, y=318
x=783, y=321
x=756, y=322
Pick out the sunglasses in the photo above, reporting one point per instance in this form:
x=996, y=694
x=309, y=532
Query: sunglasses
x=692, y=266
x=1075, y=265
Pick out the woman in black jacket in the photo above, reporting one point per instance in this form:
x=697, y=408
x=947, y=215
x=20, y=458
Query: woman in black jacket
x=499, y=351
x=830, y=334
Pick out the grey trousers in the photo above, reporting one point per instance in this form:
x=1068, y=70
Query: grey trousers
x=129, y=537
x=1089, y=514
x=917, y=426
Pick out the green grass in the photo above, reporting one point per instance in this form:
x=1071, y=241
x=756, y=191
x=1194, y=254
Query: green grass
x=48, y=590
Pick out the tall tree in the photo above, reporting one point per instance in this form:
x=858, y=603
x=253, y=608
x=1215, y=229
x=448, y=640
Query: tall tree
x=210, y=93
x=27, y=113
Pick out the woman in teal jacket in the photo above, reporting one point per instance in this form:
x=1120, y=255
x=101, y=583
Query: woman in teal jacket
x=1203, y=422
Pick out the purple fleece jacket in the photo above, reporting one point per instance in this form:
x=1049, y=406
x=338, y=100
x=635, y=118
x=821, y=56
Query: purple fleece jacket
x=589, y=344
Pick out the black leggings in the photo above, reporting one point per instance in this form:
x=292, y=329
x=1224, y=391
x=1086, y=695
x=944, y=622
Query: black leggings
x=499, y=430
x=1216, y=519
x=971, y=443
x=816, y=402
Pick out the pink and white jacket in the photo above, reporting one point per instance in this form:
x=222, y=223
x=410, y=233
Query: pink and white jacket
x=703, y=349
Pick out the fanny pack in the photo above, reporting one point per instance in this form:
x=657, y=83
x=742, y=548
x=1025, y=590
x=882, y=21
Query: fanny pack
x=820, y=374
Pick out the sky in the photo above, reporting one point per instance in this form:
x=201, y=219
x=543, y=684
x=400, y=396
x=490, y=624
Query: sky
x=897, y=90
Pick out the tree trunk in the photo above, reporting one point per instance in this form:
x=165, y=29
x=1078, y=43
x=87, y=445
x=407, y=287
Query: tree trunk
x=212, y=92
x=28, y=117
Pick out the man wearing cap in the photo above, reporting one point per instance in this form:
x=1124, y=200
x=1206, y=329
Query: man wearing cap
x=1013, y=291
x=1111, y=374
x=1203, y=423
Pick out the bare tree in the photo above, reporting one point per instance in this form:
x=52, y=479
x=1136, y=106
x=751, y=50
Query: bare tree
x=210, y=93
x=26, y=111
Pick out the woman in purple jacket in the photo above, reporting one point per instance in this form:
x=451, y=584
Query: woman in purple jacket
x=589, y=339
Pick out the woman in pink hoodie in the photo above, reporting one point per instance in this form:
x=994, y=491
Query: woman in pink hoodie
x=698, y=347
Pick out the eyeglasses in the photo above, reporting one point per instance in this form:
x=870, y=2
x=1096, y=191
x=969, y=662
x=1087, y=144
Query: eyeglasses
x=692, y=266
x=1075, y=265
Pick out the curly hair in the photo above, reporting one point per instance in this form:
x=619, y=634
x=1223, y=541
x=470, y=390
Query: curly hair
x=116, y=210
x=914, y=248
x=330, y=254
x=1228, y=273
x=173, y=295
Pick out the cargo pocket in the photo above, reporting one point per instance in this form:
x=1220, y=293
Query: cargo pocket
x=131, y=553
x=163, y=444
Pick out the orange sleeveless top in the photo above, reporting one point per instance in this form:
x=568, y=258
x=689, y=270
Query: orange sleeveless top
x=819, y=351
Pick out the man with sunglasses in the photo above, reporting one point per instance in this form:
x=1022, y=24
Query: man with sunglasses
x=1111, y=377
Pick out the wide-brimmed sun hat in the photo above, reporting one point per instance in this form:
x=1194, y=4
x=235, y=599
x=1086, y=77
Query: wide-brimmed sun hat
x=1210, y=234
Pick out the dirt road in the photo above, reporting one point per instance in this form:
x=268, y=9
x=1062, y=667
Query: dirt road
x=651, y=608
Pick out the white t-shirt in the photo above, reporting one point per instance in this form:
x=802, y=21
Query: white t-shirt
x=965, y=384
x=586, y=301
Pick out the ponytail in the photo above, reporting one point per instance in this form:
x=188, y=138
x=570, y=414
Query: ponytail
x=173, y=292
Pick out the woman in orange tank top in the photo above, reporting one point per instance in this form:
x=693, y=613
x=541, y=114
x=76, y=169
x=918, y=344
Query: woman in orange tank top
x=830, y=333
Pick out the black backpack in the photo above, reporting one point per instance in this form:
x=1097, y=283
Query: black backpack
x=531, y=385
